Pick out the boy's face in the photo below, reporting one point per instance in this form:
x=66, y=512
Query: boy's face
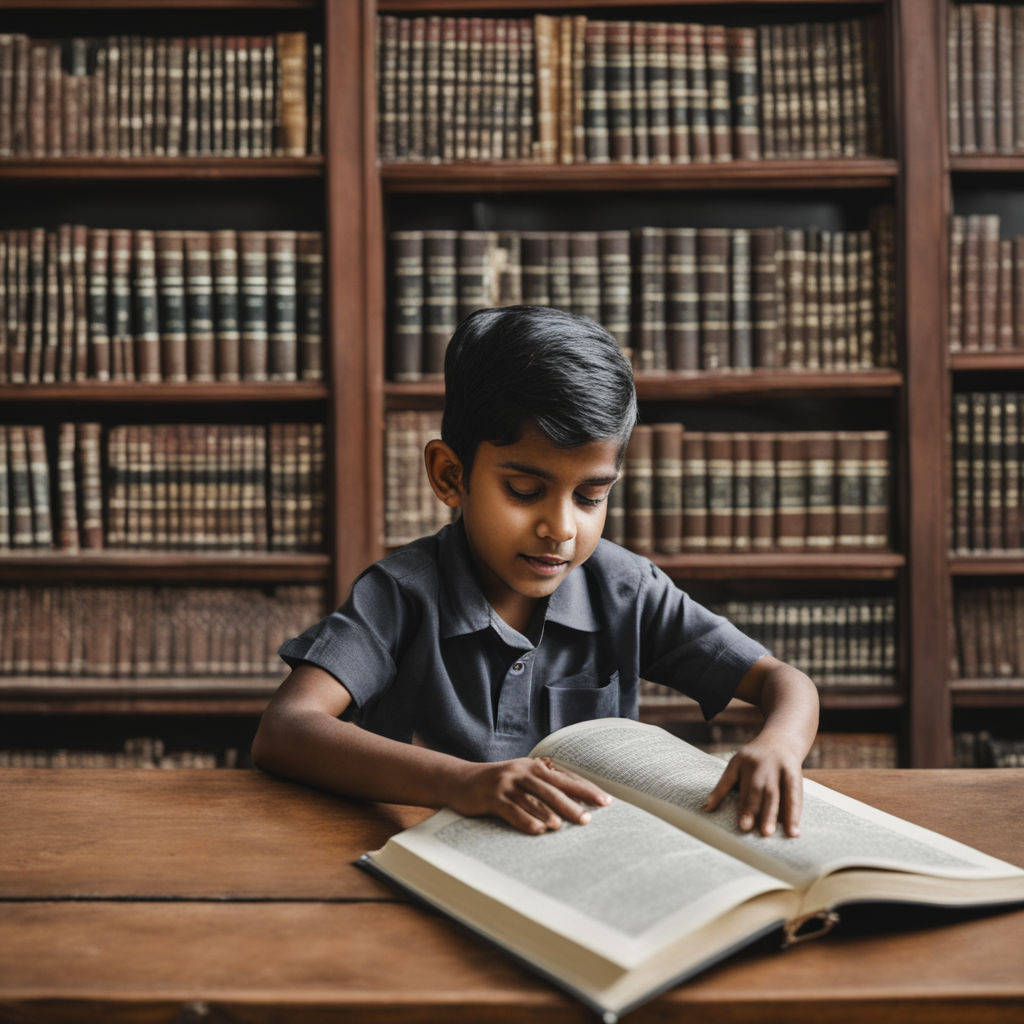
x=532, y=513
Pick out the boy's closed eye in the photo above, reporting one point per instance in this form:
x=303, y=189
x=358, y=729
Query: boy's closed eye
x=529, y=492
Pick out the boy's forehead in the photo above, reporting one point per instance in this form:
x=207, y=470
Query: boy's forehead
x=535, y=453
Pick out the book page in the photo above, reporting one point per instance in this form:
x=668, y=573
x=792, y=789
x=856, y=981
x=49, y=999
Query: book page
x=629, y=757
x=621, y=885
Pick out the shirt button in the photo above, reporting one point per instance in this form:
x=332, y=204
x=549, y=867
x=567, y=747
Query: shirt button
x=518, y=667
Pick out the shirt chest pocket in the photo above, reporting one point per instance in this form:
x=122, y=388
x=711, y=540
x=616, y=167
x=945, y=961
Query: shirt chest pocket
x=581, y=698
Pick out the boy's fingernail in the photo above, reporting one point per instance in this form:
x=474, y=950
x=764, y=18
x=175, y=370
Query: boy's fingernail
x=584, y=817
x=746, y=822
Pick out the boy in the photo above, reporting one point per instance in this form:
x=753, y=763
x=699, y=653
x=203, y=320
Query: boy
x=453, y=656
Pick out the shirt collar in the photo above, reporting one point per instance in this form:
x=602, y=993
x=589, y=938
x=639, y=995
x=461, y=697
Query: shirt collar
x=463, y=609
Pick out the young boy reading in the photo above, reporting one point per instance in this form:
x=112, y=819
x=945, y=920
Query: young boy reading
x=454, y=655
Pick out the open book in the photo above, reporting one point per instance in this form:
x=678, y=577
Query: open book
x=654, y=889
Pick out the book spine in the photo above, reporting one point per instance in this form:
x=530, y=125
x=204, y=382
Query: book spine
x=695, y=492
x=720, y=473
x=640, y=510
x=650, y=347
x=791, y=510
x=310, y=255
x=763, y=491
x=291, y=92
x=713, y=287
x=615, y=287
x=200, y=351
x=667, y=454
x=682, y=299
x=252, y=251
x=282, y=261
x=619, y=86
x=226, y=328
x=596, y=113
x=147, y=323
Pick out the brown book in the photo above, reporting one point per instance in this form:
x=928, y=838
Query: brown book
x=291, y=92
x=742, y=490
x=252, y=260
x=763, y=490
x=988, y=295
x=764, y=244
x=640, y=508
x=792, y=494
x=200, y=348
x=821, y=490
x=620, y=89
x=682, y=299
x=90, y=487
x=169, y=247
x=39, y=483
x=616, y=286
x=668, y=487
x=1011, y=448
x=994, y=464
x=147, y=322
x=713, y=286
x=310, y=250
x=695, y=492
x=546, y=56
x=700, y=95
x=649, y=349
x=719, y=104
x=719, y=455
x=984, y=17
x=658, y=103
x=876, y=488
x=1004, y=300
x=122, y=339
x=955, y=319
x=282, y=262
x=850, y=489
x=638, y=35
x=226, y=292
x=961, y=473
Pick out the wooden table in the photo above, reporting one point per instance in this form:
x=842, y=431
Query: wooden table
x=190, y=896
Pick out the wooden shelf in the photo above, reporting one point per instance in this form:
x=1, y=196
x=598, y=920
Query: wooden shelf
x=417, y=6
x=682, y=710
x=996, y=564
x=882, y=565
x=54, y=695
x=989, y=162
x=508, y=176
x=32, y=171
x=987, y=693
x=1004, y=360
x=132, y=393
x=173, y=5
x=709, y=385
x=163, y=567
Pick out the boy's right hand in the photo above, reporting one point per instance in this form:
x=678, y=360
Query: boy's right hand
x=528, y=792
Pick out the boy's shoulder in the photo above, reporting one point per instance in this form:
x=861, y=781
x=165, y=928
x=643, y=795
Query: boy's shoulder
x=618, y=569
x=416, y=560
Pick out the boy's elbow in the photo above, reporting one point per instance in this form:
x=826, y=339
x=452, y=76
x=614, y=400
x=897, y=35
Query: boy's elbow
x=265, y=744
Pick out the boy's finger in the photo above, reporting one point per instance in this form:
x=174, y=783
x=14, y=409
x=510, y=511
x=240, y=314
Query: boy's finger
x=725, y=784
x=573, y=784
x=792, y=804
x=558, y=802
x=769, y=810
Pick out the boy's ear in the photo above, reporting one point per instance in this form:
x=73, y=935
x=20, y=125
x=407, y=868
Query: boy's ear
x=444, y=471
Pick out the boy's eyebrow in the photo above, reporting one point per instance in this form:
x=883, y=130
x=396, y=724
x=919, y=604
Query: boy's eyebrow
x=525, y=467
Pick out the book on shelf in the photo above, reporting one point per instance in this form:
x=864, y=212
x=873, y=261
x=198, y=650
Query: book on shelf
x=136, y=752
x=167, y=486
x=150, y=632
x=676, y=299
x=986, y=475
x=646, y=92
x=141, y=96
x=985, y=78
x=680, y=888
x=986, y=284
x=757, y=490
x=146, y=305
x=988, y=633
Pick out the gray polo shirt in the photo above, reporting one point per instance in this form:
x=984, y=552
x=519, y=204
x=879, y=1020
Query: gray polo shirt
x=427, y=659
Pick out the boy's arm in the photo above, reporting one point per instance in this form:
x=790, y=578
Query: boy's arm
x=767, y=770
x=300, y=737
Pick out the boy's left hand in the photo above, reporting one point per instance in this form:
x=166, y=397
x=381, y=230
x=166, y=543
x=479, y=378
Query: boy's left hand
x=767, y=773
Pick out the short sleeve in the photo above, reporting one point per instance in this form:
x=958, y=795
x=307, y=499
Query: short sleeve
x=688, y=647
x=359, y=643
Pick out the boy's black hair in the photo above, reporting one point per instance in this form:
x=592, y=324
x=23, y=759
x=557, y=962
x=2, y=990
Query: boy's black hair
x=512, y=366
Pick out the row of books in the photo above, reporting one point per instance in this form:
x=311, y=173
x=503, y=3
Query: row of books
x=983, y=750
x=568, y=89
x=130, y=96
x=837, y=641
x=677, y=299
x=686, y=490
x=150, y=632
x=986, y=285
x=86, y=303
x=986, y=439
x=181, y=487
x=988, y=633
x=985, y=78
x=411, y=509
x=146, y=752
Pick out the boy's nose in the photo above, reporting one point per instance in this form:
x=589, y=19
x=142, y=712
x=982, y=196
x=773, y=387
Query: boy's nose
x=557, y=523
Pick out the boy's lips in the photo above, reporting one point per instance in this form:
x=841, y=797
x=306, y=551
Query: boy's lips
x=547, y=565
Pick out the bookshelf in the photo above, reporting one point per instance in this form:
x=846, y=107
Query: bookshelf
x=358, y=201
